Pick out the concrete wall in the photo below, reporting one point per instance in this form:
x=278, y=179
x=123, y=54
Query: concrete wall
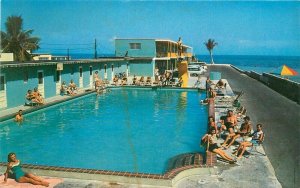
x=148, y=48
x=285, y=87
x=16, y=87
x=254, y=75
x=141, y=68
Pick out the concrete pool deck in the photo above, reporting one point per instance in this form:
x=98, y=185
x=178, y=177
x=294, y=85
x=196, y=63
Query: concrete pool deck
x=255, y=171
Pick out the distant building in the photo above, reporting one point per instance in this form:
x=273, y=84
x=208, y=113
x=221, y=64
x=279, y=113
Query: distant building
x=60, y=58
x=47, y=72
x=146, y=54
x=48, y=57
x=6, y=56
x=41, y=57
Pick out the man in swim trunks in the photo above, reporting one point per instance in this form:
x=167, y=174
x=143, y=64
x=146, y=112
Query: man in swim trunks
x=229, y=121
x=244, y=131
x=14, y=166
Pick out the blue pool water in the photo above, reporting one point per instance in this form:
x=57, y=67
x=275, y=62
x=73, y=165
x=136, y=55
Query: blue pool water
x=135, y=130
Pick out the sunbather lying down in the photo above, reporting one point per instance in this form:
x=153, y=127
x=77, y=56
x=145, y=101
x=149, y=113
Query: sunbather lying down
x=211, y=145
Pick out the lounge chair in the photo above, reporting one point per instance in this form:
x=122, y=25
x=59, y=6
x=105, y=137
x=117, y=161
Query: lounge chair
x=134, y=81
x=124, y=81
x=148, y=81
x=30, y=102
x=253, y=148
x=115, y=81
x=142, y=80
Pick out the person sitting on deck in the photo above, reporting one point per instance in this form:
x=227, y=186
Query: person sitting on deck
x=208, y=83
x=64, y=89
x=230, y=121
x=167, y=77
x=212, y=125
x=19, y=116
x=148, y=81
x=220, y=84
x=96, y=80
x=245, y=130
x=124, y=81
x=36, y=94
x=134, y=80
x=14, y=169
x=156, y=74
x=30, y=99
x=257, y=138
x=211, y=93
x=116, y=80
x=210, y=141
x=72, y=88
x=142, y=80
x=100, y=84
x=180, y=81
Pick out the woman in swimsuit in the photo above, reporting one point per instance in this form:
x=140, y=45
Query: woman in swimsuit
x=14, y=166
x=212, y=146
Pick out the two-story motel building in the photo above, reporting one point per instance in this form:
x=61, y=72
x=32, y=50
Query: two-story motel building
x=132, y=56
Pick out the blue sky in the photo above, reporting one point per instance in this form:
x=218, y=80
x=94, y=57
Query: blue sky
x=239, y=27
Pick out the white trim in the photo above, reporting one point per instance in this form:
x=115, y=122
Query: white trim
x=161, y=58
x=41, y=87
x=156, y=40
x=3, y=94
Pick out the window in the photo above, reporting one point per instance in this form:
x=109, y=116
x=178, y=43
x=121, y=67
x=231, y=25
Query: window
x=91, y=70
x=25, y=76
x=193, y=69
x=57, y=76
x=43, y=58
x=2, y=83
x=40, y=77
x=80, y=72
x=135, y=45
x=72, y=70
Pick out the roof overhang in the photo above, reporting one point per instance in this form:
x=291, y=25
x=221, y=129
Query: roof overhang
x=45, y=63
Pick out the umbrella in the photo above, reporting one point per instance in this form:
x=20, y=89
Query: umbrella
x=285, y=71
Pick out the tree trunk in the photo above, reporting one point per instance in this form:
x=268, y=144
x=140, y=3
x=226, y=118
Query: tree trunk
x=211, y=57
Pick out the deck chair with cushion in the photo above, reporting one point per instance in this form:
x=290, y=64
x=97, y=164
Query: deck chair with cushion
x=142, y=80
x=253, y=149
x=148, y=81
x=124, y=81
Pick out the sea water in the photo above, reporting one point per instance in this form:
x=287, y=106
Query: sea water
x=258, y=64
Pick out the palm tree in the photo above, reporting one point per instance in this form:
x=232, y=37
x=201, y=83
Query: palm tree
x=18, y=41
x=210, y=44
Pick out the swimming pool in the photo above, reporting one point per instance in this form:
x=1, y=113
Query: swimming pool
x=133, y=130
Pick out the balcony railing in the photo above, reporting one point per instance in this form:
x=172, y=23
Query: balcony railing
x=172, y=55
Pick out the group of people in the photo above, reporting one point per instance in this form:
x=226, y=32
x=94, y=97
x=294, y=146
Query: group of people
x=229, y=123
x=117, y=78
x=34, y=97
x=98, y=82
x=71, y=89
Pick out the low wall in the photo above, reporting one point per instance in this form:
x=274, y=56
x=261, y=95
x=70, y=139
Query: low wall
x=287, y=88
